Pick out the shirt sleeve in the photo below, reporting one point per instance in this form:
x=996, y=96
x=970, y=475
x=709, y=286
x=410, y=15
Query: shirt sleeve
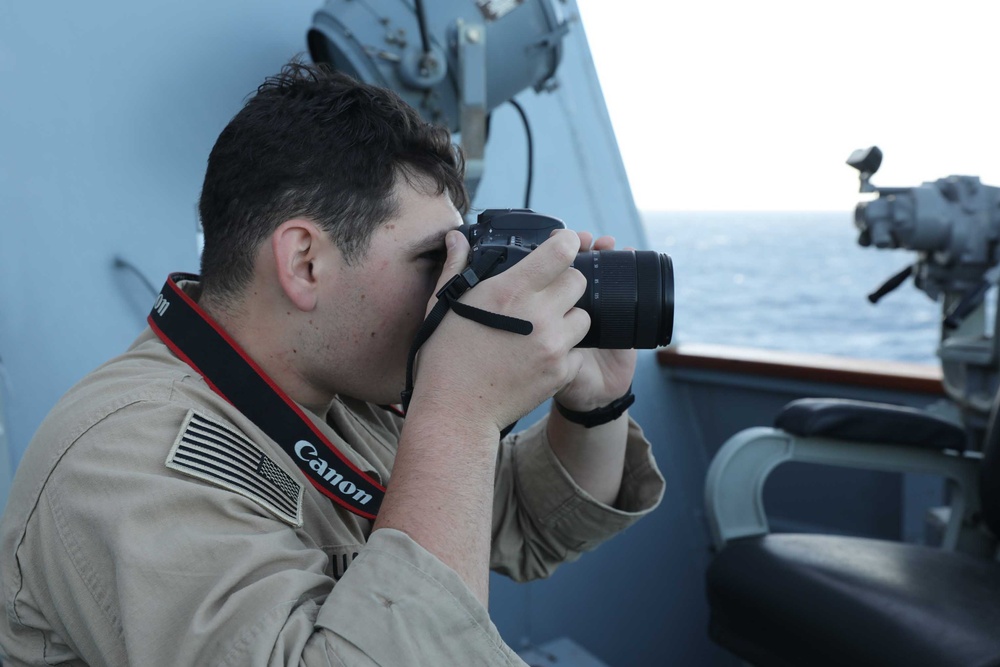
x=399, y=605
x=143, y=566
x=542, y=518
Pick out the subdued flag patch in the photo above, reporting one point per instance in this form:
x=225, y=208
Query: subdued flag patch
x=219, y=454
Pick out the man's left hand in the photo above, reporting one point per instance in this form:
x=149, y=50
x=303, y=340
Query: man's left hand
x=606, y=374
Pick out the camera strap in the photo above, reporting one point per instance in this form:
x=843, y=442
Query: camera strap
x=448, y=299
x=201, y=343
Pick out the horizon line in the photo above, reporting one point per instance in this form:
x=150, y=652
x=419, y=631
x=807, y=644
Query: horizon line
x=741, y=210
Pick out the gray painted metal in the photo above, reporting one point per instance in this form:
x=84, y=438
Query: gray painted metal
x=380, y=42
x=6, y=467
x=734, y=488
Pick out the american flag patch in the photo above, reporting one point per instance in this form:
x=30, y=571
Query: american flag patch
x=216, y=453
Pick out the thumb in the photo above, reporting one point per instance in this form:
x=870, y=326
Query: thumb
x=458, y=258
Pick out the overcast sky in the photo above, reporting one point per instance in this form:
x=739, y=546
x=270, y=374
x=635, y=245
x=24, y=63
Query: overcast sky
x=755, y=105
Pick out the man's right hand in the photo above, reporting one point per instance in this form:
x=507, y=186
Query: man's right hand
x=475, y=372
x=471, y=382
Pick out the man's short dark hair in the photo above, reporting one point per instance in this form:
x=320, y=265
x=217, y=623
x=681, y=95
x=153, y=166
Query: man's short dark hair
x=317, y=144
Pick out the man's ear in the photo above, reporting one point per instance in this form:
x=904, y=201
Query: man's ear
x=297, y=245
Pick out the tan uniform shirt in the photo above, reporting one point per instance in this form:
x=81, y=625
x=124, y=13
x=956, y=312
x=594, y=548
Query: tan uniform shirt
x=150, y=523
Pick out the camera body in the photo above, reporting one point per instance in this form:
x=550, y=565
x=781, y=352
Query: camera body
x=630, y=294
x=518, y=227
x=507, y=235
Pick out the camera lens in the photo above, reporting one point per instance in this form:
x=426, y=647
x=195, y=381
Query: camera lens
x=630, y=298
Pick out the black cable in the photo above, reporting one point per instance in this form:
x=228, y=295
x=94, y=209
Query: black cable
x=531, y=151
x=422, y=22
x=122, y=263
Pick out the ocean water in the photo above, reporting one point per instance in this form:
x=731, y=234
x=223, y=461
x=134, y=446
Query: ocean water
x=791, y=281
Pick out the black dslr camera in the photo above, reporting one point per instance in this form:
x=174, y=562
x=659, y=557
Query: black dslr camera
x=630, y=294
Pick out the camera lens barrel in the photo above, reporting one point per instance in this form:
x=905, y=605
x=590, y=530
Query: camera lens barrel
x=630, y=298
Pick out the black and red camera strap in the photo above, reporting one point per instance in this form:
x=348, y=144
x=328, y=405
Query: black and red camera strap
x=201, y=343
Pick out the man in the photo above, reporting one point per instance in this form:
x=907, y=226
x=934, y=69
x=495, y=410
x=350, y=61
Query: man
x=209, y=496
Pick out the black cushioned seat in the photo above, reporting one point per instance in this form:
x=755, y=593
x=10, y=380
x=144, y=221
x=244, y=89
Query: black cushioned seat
x=869, y=422
x=820, y=600
x=825, y=600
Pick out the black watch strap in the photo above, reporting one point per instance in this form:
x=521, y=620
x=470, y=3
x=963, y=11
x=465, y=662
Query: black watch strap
x=603, y=415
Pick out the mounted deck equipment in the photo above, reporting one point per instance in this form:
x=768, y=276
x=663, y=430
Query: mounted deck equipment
x=825, y=600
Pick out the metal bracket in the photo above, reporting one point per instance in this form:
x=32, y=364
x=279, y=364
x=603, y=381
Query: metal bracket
x=472, y=99
x=734, y=486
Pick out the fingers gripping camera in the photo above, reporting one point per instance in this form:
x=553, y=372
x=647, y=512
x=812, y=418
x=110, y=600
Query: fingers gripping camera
x=629, y=296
